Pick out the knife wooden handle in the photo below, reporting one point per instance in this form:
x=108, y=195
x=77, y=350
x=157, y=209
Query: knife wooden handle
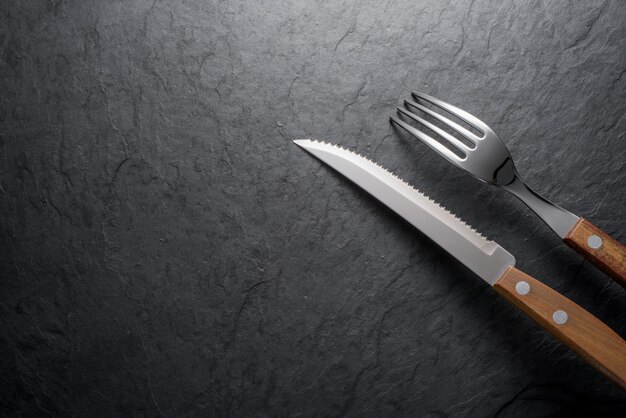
x=599, y=248
x=589, y=337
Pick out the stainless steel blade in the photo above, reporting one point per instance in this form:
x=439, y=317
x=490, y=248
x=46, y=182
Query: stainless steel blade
x=485, y=258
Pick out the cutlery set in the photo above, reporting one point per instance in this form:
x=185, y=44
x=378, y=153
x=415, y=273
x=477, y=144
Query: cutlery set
x=472, y=145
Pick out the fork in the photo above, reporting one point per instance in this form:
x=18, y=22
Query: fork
x=485, y=156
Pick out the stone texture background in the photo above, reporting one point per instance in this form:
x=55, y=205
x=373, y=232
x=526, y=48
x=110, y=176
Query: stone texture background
x=166, y=250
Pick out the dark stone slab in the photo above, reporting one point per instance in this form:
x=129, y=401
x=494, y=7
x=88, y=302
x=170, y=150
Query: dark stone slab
x=167, y=250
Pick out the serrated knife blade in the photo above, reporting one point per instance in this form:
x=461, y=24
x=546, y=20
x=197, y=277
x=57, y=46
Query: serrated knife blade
x=485, y=258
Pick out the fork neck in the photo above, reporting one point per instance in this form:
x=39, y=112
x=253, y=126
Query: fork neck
x=558, y=219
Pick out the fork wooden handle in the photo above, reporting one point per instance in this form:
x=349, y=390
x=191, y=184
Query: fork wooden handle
x=599, y=248
x=589, y=337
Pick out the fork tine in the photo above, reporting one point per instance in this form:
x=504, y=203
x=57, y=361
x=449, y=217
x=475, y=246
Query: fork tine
x=459, y=113
x=460, y=145
x=435, y=145
x=467, y=134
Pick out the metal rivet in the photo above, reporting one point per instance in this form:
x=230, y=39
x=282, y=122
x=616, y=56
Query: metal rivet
x=560, y=317
x=522, y=287
x=594, y=242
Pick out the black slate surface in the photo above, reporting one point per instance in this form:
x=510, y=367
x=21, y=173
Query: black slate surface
x=166, y=250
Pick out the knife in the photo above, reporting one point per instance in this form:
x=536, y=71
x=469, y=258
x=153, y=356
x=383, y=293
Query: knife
x=585, y=334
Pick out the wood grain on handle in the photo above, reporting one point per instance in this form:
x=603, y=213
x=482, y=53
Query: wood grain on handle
x=599, y=248
x=595, y=342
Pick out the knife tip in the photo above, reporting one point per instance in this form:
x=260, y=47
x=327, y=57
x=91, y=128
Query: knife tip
x=301, y=142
